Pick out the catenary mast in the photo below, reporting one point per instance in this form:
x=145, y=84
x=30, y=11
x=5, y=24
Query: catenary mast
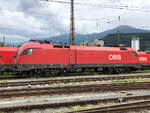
x=72, y=26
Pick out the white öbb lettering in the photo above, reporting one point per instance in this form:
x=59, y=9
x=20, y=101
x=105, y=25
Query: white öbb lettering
x=142, y=58
x=114, y=57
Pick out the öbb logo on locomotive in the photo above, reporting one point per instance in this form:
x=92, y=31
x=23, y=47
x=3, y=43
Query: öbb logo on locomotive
x=114, y=57
x=142, y=58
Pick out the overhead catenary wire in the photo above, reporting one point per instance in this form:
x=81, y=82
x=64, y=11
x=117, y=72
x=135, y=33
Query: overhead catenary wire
x=97, y=20
x=124, y=7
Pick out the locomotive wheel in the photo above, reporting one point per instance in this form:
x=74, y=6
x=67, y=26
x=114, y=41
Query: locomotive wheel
x=33, y=73
x=105, y=70
x=79, y=70
x=22, y=74
x=111, y=70
x=1, y=72
x=55, y=72
x=127, y=70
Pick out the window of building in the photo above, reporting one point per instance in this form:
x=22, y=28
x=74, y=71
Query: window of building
x=27, y=52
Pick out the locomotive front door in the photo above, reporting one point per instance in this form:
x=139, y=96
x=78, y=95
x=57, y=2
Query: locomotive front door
x=72, y=56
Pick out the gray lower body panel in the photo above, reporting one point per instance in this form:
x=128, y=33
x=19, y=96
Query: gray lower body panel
x=27, y=67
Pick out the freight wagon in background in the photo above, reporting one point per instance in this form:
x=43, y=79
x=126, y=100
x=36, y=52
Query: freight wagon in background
x=36, y=58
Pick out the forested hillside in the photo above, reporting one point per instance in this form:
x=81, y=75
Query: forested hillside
x=125, y=38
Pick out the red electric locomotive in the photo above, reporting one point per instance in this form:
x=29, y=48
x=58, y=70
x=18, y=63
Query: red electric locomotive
x=144, y=59
x=7, y=56
x=37, y=58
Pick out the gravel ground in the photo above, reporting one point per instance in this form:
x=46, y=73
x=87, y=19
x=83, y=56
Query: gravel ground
x=140, y=111
x=65, y=98
x=77, y=108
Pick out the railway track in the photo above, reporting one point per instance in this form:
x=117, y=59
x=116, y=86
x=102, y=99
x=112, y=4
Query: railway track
x=16, y=92
x=42, y=82
x=85, y=102
x=119, y=108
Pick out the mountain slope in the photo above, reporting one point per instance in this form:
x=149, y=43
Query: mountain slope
x=65, y=38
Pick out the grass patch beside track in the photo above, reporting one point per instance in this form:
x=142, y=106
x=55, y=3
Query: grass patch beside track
x=143, y=71
x=131, y=80
x=125, y=81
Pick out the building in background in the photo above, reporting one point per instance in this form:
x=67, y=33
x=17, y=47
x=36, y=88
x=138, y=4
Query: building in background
x=96, y=42
x=135, y=43
x=1, y=43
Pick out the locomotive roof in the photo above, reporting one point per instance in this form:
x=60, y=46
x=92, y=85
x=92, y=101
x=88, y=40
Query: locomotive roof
x=99, y=48
x=77, y=47
x=8, y=49
x=143, y=52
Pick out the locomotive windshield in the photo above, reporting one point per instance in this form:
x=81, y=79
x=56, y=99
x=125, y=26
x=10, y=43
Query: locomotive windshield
x=18, y=51
x=134, y=54
x=27, y=51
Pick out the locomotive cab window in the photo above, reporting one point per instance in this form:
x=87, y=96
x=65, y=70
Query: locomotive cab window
x=27, y=52
x=66, y=46
x=57, y=46
x=134, y=54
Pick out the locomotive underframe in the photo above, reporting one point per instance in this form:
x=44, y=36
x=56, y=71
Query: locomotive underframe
x=145, y=66
x=3, y=68
x=55, y=69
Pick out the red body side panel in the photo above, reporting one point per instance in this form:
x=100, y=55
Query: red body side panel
x=104, y=55
x=47, y=54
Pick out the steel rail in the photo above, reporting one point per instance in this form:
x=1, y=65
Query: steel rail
x=42, y=82
x=79, y=102
x=73, y=89
x=118, y=108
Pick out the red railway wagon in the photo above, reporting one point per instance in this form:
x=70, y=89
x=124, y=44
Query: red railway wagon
x=39, y=57
x=7, y=56
x=144, y=59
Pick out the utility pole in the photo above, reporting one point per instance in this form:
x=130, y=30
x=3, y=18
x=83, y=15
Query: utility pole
x=118, y=41
x=72, y=26
x=4, y=39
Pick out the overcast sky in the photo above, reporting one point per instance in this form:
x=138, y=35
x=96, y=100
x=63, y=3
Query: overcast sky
x=25, y=19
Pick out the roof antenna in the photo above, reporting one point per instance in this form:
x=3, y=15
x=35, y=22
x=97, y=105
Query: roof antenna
x=118, y=40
